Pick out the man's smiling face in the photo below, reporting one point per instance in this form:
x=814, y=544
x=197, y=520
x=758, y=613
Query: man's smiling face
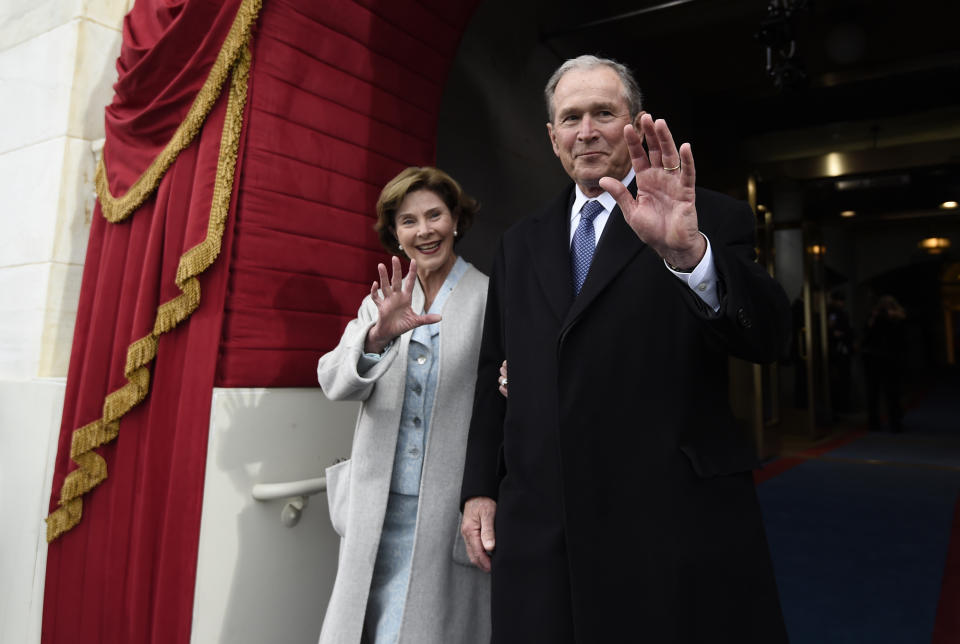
x=590, y=110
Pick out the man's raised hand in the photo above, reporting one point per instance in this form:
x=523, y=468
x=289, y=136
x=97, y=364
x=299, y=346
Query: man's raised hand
x=664, y=213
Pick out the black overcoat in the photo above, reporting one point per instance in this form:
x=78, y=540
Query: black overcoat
x=626, y=510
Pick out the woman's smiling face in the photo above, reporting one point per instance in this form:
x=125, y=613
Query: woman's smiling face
x=425, y=227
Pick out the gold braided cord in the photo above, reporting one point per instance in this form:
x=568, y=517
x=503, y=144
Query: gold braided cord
x=116, y=209
x=92, y=468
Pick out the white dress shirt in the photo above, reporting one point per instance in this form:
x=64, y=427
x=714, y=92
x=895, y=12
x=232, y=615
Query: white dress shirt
x=702, y=280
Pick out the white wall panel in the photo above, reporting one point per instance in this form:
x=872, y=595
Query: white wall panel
x=35, y=80
x=257, y=580
x=22, y=310
x=30, y=194
x=29, y=419
x=23, y=20
x=94, y=74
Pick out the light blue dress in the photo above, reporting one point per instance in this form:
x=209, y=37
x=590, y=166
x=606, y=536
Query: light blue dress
x=391, y=571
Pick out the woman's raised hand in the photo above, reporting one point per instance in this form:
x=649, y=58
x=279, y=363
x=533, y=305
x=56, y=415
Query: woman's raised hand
x=393, y=297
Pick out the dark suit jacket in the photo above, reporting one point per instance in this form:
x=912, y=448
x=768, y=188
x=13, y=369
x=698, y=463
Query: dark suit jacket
x=623, y=482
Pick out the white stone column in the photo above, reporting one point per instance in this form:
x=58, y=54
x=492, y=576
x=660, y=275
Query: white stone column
x=57, y=69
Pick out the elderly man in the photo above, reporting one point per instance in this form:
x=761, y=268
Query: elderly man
x=611, y=494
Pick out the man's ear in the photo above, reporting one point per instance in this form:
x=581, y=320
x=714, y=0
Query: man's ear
x=636, y=125
x=553, y=140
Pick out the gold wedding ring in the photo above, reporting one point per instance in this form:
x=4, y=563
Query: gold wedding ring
x=676, y=167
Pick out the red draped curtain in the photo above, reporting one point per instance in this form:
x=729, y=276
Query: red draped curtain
x=344, y=95
x=232, y=241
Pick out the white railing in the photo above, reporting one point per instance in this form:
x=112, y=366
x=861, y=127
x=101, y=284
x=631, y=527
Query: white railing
x=296, y=493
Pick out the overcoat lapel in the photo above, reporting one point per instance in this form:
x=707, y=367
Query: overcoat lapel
x=549, y=246
x=618, y=245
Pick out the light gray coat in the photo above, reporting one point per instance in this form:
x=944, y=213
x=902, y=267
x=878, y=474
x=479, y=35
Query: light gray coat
x=447, y=599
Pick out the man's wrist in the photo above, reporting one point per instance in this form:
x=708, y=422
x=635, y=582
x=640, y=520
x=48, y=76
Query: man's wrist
x=686, y=263
x=679, y=269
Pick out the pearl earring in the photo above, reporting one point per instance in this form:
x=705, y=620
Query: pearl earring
x=455, y=233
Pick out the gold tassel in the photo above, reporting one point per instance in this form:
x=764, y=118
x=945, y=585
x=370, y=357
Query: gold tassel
x=116, y=209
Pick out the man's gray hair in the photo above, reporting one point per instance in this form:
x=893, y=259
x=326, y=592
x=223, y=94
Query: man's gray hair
x=631, y=90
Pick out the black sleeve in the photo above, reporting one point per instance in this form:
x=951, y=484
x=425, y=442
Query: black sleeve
x=753, y=322
x=481, y=472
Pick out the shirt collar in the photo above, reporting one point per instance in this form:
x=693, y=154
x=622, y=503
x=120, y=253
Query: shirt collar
x=422, y=333
x=606, y=199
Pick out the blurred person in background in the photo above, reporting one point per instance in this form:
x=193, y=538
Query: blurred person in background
x=884, y=353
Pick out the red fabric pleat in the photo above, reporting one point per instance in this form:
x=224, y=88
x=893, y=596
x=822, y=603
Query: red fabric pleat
x=168, y=49
x=347, y=94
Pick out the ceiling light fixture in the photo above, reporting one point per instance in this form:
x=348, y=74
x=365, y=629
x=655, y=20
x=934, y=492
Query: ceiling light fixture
x=948, y=205
x=848, y=213
x=834, y=164
x=934, y=245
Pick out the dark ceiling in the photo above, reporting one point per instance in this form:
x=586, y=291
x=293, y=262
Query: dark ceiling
x=871, y=93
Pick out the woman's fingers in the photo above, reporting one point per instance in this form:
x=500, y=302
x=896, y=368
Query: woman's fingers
x=397, y=278
x=384, y=279
x=411, y=278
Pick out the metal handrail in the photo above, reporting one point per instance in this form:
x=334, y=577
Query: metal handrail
x=275, y=491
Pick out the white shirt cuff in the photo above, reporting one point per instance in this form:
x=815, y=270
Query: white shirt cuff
x=702, y=279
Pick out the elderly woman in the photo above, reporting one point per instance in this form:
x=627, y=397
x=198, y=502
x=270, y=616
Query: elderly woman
x=410, y=356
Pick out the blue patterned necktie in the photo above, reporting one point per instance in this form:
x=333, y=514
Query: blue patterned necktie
x=584, y=242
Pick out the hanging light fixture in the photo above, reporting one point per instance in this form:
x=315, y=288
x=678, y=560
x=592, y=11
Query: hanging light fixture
x=934, y=245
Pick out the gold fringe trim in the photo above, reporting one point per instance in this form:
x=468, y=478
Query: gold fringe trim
x=116, y=209
x=92, y=468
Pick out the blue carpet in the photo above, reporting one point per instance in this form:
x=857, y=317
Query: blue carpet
x=859, y=548
x=929, y=450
